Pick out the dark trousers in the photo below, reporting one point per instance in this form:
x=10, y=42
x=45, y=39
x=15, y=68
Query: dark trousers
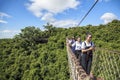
x=78, y=55
x=86, y=62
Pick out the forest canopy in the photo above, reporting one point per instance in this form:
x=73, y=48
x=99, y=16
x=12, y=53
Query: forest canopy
x=34, y=54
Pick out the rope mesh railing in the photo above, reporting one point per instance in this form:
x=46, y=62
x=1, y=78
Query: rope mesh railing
x=106, y=64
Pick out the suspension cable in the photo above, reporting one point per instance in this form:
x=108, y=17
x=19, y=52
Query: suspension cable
x=88, y=12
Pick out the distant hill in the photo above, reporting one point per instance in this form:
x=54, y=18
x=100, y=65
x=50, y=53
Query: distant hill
x=41, y=55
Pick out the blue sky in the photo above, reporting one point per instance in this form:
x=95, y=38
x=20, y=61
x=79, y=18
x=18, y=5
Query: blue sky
x=18, y=14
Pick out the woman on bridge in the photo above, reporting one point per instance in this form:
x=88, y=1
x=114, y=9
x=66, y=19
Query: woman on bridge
x=87, y=53
x=71, y=41
x=77, y=46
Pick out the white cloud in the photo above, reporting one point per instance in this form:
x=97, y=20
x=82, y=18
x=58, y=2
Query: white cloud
x=54, y=6
x=65, y=23
x=3, y=15
x=8, y=33
x=108, y=17
x=2, y=21
x=47, y=9
x=48, y=17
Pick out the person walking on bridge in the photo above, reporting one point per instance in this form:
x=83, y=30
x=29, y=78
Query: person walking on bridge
x=71, y=42
x=77, y=46
x=87, y=53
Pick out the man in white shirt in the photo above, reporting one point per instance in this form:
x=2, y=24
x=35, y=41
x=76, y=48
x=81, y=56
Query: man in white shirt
x=87, y=53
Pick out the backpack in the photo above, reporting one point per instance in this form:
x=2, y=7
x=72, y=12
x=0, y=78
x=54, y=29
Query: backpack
x=89, y=52
x=86, y=46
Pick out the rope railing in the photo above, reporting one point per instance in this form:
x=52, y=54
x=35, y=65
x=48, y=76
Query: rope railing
x=106, y=64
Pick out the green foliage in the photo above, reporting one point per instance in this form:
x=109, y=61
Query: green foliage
x=41, y=55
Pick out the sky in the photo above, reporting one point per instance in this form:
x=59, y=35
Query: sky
x=18, y=14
